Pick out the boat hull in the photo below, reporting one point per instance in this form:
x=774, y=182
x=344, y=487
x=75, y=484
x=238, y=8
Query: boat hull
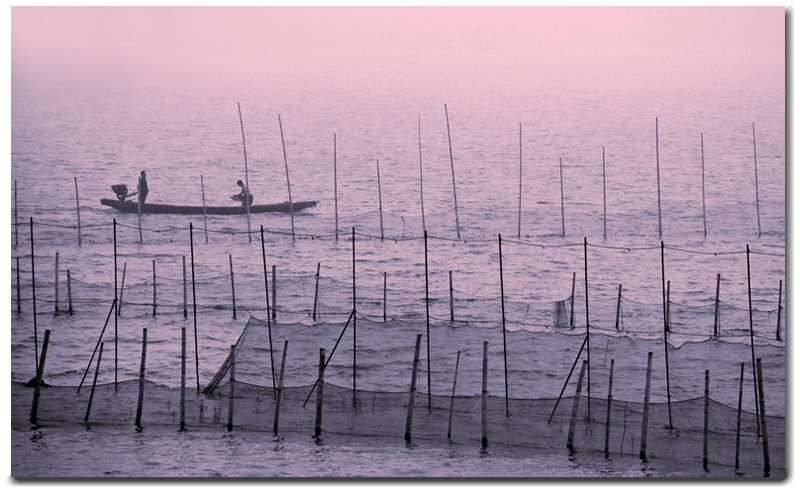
x=159, y=209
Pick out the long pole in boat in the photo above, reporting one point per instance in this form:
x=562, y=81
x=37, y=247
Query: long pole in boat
x=139, y=207
x=116, y=308
x=666, y=333
x=561, y=176
x=380, y=201
x=266, y=296
x=354, y=317
x=658, y=181
x=752, y=343
x=194, y=310
x=452, y=170
x=755, y=164
x=421, y=199
x=246, y=174
x=203, y=191
x=335, y=188
x=78, y=209
x=519, y=214
x=703, y=171
x=605, y=216
x=288, y=186
x=33, y=289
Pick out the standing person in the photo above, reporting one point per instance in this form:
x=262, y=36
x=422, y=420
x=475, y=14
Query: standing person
x=142, y=187
x=243, y=194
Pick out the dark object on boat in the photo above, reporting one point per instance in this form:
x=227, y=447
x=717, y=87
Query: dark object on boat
x=157, y=209
x=121, y=190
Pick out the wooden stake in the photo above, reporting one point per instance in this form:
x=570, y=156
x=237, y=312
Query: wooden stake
x=619, y=306
x=110, y=311
x=755, y=165
x=266, y=297
x=183, y=379
x=280, y=389
x=666, y=334
x=141, y=381
x=669, y=324
x=16, y=219
x=335, y=188
x=380, y=201
x=33, y=290
x=194, y=303
x=316, y=293
x=139, y=207
x=564, y=387
x=116, y=309
x=233, y=286
x=588, y=351
x=658, y=180
x=274, y=293
x=121, y=291
x=503, y=314
x=572, y=303
x=453, y=397
x=38, y=383
x=608, y=407
x=94, y=383
x=703, y=170
x=716, y=310
x=646, y=408
x=452, y=313
x=246, y=174
x=780, y=292
x=69, y=293
x=452, y=171
x=519, y=213
x=185, y=311
x=575, y=404
x=413, y=392
x=56, y=282
x=354, y=318
x=288, y=186
x=427, y=319
x=154, y=288
x=78, y=209
x=421, y=194
x=320, y=386
x=344, y=329
x=484, y=395
x=752, y=342
x=19, y=295
x=739, y=415
x=605, y=217
x=205, y=221
x=561, y=175
x=765, y=440
x=384, y=296
x=232, y=387
x=705, y=426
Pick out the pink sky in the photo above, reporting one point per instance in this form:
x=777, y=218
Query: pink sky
x=633, y=47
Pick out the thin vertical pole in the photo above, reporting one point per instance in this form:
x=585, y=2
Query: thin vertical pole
x=421, y=194
x=233, y=286
x=572, y=303
x=320, y=386
x=139, y=207
x=232, y=387
x=94, y=384
x=69, y=294
x=33, y=290
x=608, y=406
x=716, y=309
x=266, y=297
x=274, y=293
x=605, y=217
x=183, y=379
x=384, y=296
x=705, y=425
x=335, y=188
x=669, y=324
x=564, y=387
x=89, y=365
x=452, y=312
x=666, y=333
x=519, y=213
x=288, y=186
x=453, y=397
x=141, y=381
x=739, y=415
x=116, y=308
x=484, y=395
x=39, y=374
x=765, y=444
x=316, y=293
x=56, y=283
x=561, y=177
x=780, y=292
x=16, y=218
x=452, y=170
x=354, y=317
x=619, y=305
x=755, y=165
x=122, y=289
x=413, y=392
x=154, y=287
x=185, y=311
x=752, y=343
x=427, y=319
x=658, y=181
x=280, y=389
x=703, y=170
x=203, y=191
x=194, y=310
x=646, y=408
x=588, y=352
x=19, y=299
x=78, y=209
x=380, y=201
x=503, y=314
x=575, y=405
x=246, y=174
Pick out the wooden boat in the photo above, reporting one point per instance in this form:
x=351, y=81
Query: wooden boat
x=159, y=209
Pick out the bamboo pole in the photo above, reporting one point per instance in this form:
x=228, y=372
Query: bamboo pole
x=69, y=293
x=739, y=415
x=705, y=425
x=154, y=288
x=780, y=292
x=561, y=177
x=110, y=311
x=94, y=383
x=519, y=213
x=588, y=351
x=503, y=313
x=121, y=290
x=452, y=170
x=380, y=201
x=19, y=297
x=78, y=209
x=141, y=381
x=669, y=324
x=716, y=310
x=452, y=312
x=646, y=409
x=185, y=310
x=335, y=188
x=316, y=293
x=320, y=386
x=139, y=207
x=605, y=216
x=354, y=318
x=232, y=387
x=33, y=290
x=274, y=293
x=194, y=310
x=344, y=329
x=280, y=389
x=38, y=383
x=266, y=297
x=246, y=174
x=752, y=342
x=413, y=392
x=421, y=194
x=765, y=440
x=288, y=186
x=56, y=283
x=453, y=397
x=564, y=387
x=572, y=303
x=658, y=180
x=116, y=308
x=755, y=165
x=183, y=379
x=233, y=286
x=384, y=296
x=203, y=191
x=608, y=407
x=575, y=405
x=16, y=218
x=427, y=319
x=619, y=305
x=484, y=395
x=666, y=334
x=703, y=170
